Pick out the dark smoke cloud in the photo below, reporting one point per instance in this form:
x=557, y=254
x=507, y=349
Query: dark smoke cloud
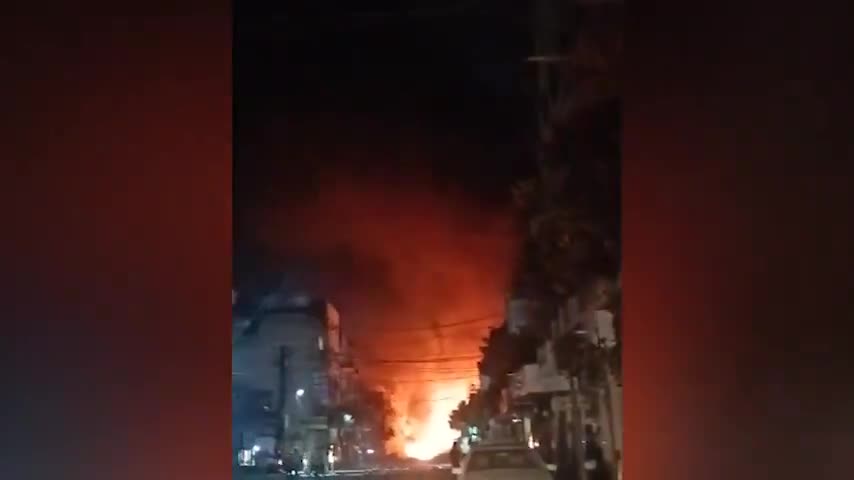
x=392, y=243
x=396, y=251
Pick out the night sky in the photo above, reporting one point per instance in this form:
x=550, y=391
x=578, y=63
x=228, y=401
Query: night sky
x=374, y=159
x=425, y=95
x=375, y=155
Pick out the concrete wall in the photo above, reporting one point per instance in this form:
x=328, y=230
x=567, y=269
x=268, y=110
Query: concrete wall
x=255, y=360
x=316, y=365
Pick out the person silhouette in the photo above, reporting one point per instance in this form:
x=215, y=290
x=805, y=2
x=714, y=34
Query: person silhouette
x=455, y=455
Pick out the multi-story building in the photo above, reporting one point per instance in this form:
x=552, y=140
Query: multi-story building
x=550, y=406
x=289, y=364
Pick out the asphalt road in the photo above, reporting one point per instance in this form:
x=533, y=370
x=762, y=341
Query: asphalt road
x=395, y=474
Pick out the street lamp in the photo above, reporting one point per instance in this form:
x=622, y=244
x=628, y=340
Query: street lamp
x=300, y=392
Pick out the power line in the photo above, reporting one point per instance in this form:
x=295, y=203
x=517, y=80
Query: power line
x=428, y=360
x=422, y=366
x=440, y=362
x=441, y=380
x=470, y=321
x=441, y=370
x=422, y=373
x=429, y=400
x=425, y=359
x=423, y=378
x=431, y=380
x=431, y=376
x=463, y=369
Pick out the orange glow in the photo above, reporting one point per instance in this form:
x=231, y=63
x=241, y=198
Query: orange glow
x=426, y=437
x=400, y=259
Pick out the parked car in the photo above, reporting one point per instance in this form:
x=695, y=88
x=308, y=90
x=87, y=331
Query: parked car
x=503, y=461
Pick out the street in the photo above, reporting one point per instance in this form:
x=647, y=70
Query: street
x=425, y=473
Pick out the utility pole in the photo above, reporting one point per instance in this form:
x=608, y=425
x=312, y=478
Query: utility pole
x=615, y=430
x=281, y=401
x=607, y=419
x=578, y=429
x=554, y=32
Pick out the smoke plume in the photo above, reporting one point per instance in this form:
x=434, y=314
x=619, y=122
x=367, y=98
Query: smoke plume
x=400, y=255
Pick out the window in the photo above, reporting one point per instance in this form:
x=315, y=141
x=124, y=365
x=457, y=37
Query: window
x=264, y=400
x=523, y=459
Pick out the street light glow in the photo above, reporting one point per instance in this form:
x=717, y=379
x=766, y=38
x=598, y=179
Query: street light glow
x=300, y=392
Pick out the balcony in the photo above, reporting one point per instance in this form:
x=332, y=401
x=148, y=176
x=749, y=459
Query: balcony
x=533, y=379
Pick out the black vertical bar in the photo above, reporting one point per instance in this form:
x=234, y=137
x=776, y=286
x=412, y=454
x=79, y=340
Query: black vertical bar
x=283, y=389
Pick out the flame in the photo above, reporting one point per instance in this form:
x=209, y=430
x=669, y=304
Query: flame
x=433, y=436
x=430, y=257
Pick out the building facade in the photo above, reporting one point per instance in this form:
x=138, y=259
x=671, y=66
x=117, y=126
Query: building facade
x=557, y=410
x=290, y=371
